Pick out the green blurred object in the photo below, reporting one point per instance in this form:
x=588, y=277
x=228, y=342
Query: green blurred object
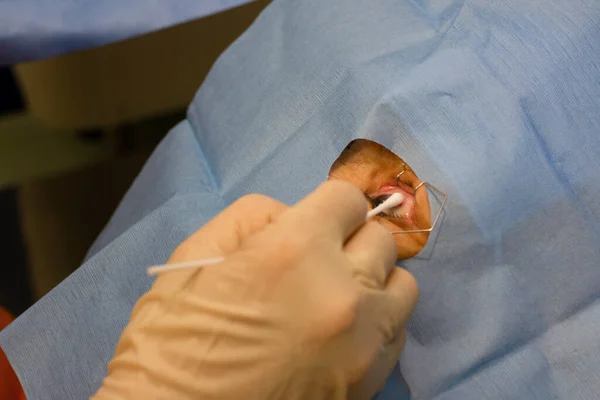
x=31, y=150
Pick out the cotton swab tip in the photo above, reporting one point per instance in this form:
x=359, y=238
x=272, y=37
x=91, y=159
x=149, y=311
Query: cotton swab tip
x=394, y=200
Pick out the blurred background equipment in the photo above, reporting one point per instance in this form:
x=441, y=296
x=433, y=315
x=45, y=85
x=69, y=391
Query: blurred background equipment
x=76, y=129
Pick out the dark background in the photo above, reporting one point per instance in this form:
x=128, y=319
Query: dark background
x=15, y=292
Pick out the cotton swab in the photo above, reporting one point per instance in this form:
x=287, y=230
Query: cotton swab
x=394, y=200
x=157, y=269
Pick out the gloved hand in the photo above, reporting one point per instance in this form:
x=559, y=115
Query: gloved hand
x=307, y=305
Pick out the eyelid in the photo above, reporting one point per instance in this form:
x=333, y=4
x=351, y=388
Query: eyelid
x=407, y=179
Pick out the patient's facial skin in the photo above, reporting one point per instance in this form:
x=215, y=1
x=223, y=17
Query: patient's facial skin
x=373, y=169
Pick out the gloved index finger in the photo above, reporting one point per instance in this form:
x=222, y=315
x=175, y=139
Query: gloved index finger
x=336, y=208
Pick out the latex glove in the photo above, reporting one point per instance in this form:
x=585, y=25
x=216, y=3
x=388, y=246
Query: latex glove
x=307, y=305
